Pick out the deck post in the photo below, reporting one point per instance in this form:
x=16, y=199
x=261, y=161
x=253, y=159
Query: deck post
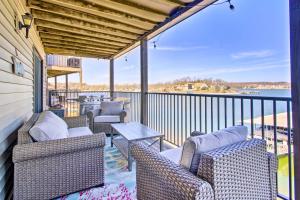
x=295, y=84
x=55, y=82
x=111, y=78
x=80, y=77
x=67, y=82
x=144, y=81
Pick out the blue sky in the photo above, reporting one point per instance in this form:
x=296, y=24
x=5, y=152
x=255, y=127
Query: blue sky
x=250, y=43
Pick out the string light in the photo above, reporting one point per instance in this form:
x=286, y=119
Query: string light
x=126, y=60
x=154, y=44
x=230, y=5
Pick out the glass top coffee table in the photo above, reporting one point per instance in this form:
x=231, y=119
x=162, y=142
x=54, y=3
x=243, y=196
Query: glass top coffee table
x=132, y=132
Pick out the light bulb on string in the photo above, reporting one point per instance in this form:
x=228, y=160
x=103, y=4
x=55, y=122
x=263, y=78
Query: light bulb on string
x=230, y=5
x=154, y=45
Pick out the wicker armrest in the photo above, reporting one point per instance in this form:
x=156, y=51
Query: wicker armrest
x=243, y=165
x=36, y=150
x=80, y=121
x=186, y=185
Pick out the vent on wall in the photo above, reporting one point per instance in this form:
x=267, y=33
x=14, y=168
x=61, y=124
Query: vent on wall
x=18, y=67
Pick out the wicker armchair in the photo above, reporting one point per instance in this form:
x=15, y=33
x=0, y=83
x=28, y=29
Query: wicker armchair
x=97, y=127
x=240, y=171
x=49, y=169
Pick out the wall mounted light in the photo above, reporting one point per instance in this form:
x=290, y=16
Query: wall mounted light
x=27, y=21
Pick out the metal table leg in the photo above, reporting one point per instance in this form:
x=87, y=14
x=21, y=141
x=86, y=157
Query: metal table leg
x=161, y=142
x=111, y=139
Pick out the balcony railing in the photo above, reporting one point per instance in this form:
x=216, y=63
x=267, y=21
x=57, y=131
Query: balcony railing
x=63, y=61
x=177, y=115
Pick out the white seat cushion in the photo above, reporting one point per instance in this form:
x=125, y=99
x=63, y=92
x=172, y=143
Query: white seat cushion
x=49, y=127
x=107, y=118
x=193, y=147
x=79, y=131
x=173, y=154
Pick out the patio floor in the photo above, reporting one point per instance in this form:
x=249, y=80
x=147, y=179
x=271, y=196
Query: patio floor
x=119, y=182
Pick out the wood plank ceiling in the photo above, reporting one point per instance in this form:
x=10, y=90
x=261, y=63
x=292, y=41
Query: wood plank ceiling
x=98, y=28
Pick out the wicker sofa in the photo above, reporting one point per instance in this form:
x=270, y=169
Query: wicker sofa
x=49, y=169
x=242, y=171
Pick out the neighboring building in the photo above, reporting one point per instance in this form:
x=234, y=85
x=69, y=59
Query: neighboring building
x=58, y=65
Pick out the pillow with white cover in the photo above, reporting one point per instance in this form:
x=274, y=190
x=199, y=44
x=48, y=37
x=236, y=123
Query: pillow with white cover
x=193, y=147
x=49, y=127
x=111, y=107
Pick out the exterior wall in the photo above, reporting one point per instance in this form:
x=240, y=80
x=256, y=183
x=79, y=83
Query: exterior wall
x=16, y=93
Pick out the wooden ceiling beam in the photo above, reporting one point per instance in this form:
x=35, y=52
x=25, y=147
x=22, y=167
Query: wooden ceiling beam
x=76, y=30
x=81, y=49
x=84, y=6
x=76, y=47
x=172, y=2
x=85, y=38
x=66, y=40
x=79, y=45
x=55, y=18
x=75, y=44
x=73, y=52
x=131, y=9
x=87, y=17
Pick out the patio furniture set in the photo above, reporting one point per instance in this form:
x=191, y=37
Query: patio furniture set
x=58, y=156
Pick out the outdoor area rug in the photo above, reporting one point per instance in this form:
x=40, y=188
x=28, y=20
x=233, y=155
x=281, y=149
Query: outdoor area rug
x=119, y=182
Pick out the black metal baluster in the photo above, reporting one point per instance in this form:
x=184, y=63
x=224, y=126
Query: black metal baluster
x=164, y=114
x=195, y=114
x=218, y=112
x=205, y=113
x=190, y=130
x=275, y=126
x=178, y=113
x=252, y=116
x=174, y=120
x=233, y=111
x=181, y=101
x=263, y=119
x=168, y=129
x=225, y=111
x=211, y=115
x=242, y=111
x=200, y=113
x=186, y=131
x=159, y=113
x=289, y=149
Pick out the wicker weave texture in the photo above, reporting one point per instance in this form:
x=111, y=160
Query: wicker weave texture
x=160, y=178
x=45, y=170
x=239, y=171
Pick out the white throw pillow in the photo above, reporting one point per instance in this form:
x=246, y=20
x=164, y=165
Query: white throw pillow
x=49, y=127
x=57, y=119
x=193, y=147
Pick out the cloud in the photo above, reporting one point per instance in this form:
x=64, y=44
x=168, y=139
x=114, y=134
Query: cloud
x=252, y=54
x=246, y=67
x=127, y=67
x=177, y=48
x=209, y=71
